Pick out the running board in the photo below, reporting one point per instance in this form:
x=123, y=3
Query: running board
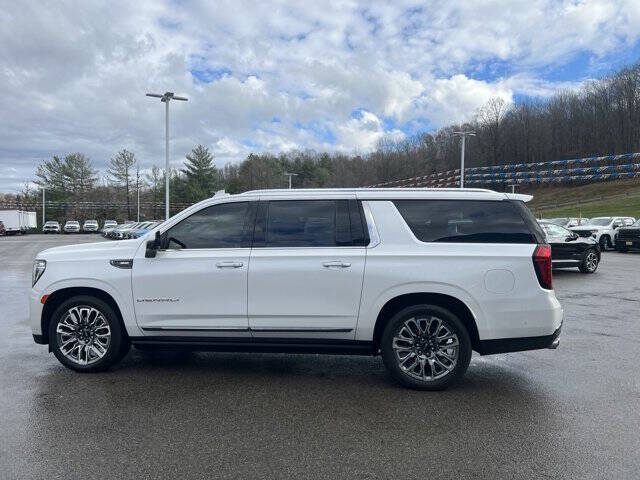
x=262, y=345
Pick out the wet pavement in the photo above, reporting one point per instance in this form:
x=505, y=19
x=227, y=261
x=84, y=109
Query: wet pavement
x=569, y=413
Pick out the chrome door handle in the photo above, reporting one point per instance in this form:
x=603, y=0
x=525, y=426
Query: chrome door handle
x=229, y=264
x=336, y=264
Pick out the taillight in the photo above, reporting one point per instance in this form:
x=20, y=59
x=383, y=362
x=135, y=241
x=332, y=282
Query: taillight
x=542, y=265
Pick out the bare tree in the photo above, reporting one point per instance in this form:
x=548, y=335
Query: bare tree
x=120, y=173
x=490, y=117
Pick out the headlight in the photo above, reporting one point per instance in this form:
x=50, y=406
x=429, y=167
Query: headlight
x=39, y=267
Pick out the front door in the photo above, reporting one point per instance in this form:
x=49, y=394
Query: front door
x=198, y=281
x=305, y=278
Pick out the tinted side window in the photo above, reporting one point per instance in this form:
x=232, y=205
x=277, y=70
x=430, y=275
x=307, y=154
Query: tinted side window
x=465, y=221
x=301, y=223
x=217, y=226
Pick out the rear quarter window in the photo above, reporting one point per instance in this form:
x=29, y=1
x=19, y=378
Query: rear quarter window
x=468, y=221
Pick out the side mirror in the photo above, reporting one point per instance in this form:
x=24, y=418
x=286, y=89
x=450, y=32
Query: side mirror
x=153, y=246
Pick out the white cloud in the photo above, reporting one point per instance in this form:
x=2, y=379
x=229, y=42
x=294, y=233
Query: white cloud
x=283, y=75
x=363, y=132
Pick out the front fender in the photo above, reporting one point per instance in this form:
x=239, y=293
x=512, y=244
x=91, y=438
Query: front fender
x=122, y=296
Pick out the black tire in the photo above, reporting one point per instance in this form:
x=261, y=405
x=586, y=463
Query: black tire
x=588, y=259
x=452, y=323
x=119, y=342
x=605, y=242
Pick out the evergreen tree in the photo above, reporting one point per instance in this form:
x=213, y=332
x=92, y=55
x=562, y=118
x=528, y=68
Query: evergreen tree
x=200, y=174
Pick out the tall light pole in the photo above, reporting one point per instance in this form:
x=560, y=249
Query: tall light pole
x=463, y=137
x=290, y=175
x=43, y=189
x=166, y=98
x=138, y=191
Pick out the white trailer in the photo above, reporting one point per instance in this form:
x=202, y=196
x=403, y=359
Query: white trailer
x=12, y=220
x=33, y=220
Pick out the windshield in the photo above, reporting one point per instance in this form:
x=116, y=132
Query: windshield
x=51, y=223
x=600, y=221
x=559, y=221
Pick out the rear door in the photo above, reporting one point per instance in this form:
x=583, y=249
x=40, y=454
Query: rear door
x=306, y=269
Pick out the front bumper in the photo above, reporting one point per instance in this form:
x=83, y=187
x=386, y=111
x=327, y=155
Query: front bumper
x=35, y=312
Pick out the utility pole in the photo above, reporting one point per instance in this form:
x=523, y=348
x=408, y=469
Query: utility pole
x=138, y=190
x=463, y=135
x=290, y=175
x=166, y=98
x=43, y=189
x=513, y=187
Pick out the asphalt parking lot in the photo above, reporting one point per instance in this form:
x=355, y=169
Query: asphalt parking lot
x=569, y=413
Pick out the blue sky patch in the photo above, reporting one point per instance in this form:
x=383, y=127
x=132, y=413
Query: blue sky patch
x=208, y=75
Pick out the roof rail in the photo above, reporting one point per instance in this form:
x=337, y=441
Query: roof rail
x=365, y=189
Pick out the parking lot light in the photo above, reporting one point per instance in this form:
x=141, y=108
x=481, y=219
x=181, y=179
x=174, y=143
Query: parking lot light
x=166, y=98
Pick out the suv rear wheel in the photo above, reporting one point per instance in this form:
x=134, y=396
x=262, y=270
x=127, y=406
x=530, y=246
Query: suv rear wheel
x=426, y=347
x=86, y=335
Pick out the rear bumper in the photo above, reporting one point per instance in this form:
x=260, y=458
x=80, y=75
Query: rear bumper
x=624, y=243
x=506, y=345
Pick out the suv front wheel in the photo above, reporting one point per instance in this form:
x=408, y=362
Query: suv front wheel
x=86, y=335
x=590, y=261
x=426, y=347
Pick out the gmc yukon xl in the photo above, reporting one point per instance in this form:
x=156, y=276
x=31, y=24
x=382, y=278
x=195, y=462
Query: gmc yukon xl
x=421, y=277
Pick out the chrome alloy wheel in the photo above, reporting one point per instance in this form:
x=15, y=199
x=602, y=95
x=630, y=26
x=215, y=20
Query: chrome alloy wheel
x=425, y=348
x=591, y=261
x=83, y=335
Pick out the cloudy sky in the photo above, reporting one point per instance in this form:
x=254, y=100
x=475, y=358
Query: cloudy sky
x=273, y=75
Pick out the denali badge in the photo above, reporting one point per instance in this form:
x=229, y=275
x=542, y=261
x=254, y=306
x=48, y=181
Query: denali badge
x=159, y=300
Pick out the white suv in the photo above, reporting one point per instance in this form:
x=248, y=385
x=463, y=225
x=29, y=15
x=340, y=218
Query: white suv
x=604, y=229
x=422, y=277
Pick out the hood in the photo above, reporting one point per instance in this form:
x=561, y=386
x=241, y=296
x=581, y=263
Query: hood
x=86, y=251
x=588, y=227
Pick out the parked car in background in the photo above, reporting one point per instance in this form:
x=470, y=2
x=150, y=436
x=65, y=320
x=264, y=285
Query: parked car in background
x=570, y=250
x=107, y=226
x=604, y=229
x=628, y=237
x=447, y=272
x=90, y=226
x=72, y=226
x=51, y=227
x=3, y=231
x=121, y=232
x=129, y=232
x=144, y=229
x=569, y=222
